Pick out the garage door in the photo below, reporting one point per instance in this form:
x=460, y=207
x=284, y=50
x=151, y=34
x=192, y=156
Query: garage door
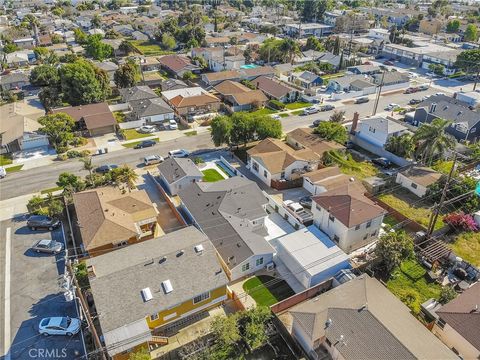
x=102, y=131
x=34, y=142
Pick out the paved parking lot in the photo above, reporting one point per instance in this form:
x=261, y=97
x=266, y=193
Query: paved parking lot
x=34, y=293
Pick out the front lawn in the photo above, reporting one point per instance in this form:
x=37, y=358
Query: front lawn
x=297, y=105
x=264, y=111
x=467, y=246
x=297, y=112
x=266, y=292
x=135, y=143
x=409, y=284
x=14, y=168
x=190, y=133
x=149, y=48
x=5, y=160
x=409, y=205
x=211, y=175
x=283, y=115
x=131, y=134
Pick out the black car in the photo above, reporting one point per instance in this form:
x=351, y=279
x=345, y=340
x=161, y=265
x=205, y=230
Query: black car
x=306, y=202
x=415, y=101
x=103, y=169
x=35, y=222
x=145, y=143
x=316, y=122
x=327, y=108
x=383, y=162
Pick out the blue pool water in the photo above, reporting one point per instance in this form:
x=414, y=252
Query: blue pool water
x=249, y=66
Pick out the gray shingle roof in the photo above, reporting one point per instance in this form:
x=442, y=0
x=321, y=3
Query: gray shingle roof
x=173, y=169
x=150, y=107
x=384, y=125
x=137, y=93
x=123, y=273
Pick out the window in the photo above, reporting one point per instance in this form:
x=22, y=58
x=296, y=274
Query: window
x=336, y=238
x=282, y=175
x=413, y=185
x=255, y=166
x=153, y=317
x=331, y=218
x=369, y=224
x=245, y=267
x=265, y=174
x=259, y=262
x=357, y=227
x=201, y=297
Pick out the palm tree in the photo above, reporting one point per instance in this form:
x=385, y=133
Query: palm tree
x=88, y=165
x=125, y=175
x=432, y=141
x=402, y=145
x=289, y=48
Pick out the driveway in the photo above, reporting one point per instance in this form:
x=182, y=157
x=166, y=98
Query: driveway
x=33, y=285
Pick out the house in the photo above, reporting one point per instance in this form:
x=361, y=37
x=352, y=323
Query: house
x=184, y=92
x=471, y=98
x=430, y=26
x=364, y=69
x=237, y=208
x=178, y=173
x=153, y=110
x=311, y=256
x=177, y=65
x=137, y=93
x=325, y=179
x=229, y=87
x=445, y=58
x=245, y=101
x=304, y=138
x=141, y=289
x=138, y=35
x=350, y=82
x=109, y=67
x=306, y=79
x=150, y=63
x=347, y=216
x=391, y=80
x=124, y=29
x=19, y=58
x=95, y=119
x=307, y=29
x=413, y=55
x=276, y=90
x=212, y=79
x=172, y=84
x=466, y=122
x=25, y=43
x=417, y=179
x=251, y=74
x=378, y=130
x=220, y=58
x=458, y=323
x=190, y=106
x=108, y=218
x=360, y=319
x=14, y=81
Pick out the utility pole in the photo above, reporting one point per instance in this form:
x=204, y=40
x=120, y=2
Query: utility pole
x=437, y=208
x=377, y=99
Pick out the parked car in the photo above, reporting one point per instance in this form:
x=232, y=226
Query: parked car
x=423, y=87
x=349, y=144
x=383, y=162
x=412, y=75
x=306, y=202
x=316, y=122
x=103, y=169
x=59, y=326
x=392, y=106
x=362, y=100
x=367, y=63
x=414, y=101
x=389, y=63
x=327, y=107
x=47, y=246
x=147, y=129
x=411, y=90
x=180, y=153
x=145, y=143
x=440, y=94
x=152, y=159
x=3, y=172
x=311, y=110
x=172, y=125
x=35, y=222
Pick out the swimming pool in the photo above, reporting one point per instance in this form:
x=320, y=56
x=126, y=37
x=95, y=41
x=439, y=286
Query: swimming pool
x=249, y=66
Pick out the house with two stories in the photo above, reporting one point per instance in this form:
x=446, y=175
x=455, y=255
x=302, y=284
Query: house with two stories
x=232, y=214
x=221, y=58
x=378, y=130
x=142, y=289
x=108, y=218
x=305, y=30
x=178, y=173
x=417, y=179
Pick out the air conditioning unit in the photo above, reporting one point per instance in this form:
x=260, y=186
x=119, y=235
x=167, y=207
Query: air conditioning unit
x=270, y=266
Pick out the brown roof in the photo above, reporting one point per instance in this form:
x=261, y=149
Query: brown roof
x=348, y=204
x=174, y=62
x=216, y=40
x=258, y=71
x=306, y=138
x=272, y=87
x=198, y=100
x=94, y=115
x=322, y=174
x=229, y=87
x=12, y=129
x=106, y=215
x=249, y=97
x=422, y=175
x=463, y=314
x=223, y=75
x=332, y=178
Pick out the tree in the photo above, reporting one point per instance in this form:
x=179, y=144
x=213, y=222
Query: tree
x=40, y=53
x=112, y=34
x=469, y=61
x=225, y=329
x=393, y=247
x=10, y=48
x=200, y=61
x=125, y=176
x=471, y=33
x=59, y=129
x=188, y=75
x=58, y=11
x=402, y=145
x=332, y=131
x=35, y=205
x=127, y=47
x=432, y=141
x=80, y=36
x=97, y=49
x=88, y=165
x=44, y=75
x=233, y=40
x=267, y=127
x=313, y=43
x=290, y=49
x=337, y=116
x=70, y=183
x=461, y=186
x=140, y=354
x=447, y=294
x=453, y=26
x=437, y=69
x=54, y=206
x=83, y=83
x=336, y=46
x=126, y=75
x=221, y=127
x=50, y=97
x=168, y=42
x=96, y=21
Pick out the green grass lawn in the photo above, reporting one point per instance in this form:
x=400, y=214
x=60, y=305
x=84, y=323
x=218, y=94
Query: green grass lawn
x=408, y=204
x=119, y=116
x=348, y=165
x=284, y=115
x=467, y=246
x=149, y=48
x=211, y=175
x=131, y=134
x=14, y=168
x=264, y=111
x=133, y=144
x=297, y=112
x=50, y=190
x=191, y=133
x=297, y=105
x=409, y=284
x=267, y=295
x=5, y=160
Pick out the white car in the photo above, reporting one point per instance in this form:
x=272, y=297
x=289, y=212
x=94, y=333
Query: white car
x=147, y=129
x=3, y=172
x=172, y=124
x=276, y=117
x=311, y=110
x=179, y=153
x=392, y=106
x=412, y=75
x=152, y=159
x=59, y=326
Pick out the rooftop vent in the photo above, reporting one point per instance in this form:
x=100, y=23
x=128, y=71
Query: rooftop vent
x=199, y=248
x=167, y=286
x=147, y=294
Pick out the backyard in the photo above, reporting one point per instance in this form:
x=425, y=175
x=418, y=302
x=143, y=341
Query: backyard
x=266, y=292
x=211, y=175
x=467, y=246
x=348, y=165
x=409, y=284
x=149, y=48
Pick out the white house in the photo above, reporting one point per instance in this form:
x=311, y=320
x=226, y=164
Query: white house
x=347, y=216
x=417, y=179
x=178, y=173
x=377, y=130
x=311, y=256
x=308, y=29
x=380, y=34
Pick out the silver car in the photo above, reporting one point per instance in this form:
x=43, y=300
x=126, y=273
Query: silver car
x=152, y=159
x=47, y=246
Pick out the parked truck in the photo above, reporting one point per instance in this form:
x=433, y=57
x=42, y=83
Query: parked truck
x=298, y=212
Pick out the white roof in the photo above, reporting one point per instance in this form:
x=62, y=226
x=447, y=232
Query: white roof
x=309, y=26
x=312, y=249
x=186, y=92
x=127, y=336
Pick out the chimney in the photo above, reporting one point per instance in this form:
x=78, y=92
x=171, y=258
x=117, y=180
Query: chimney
x=354, y=123
x=433, y=107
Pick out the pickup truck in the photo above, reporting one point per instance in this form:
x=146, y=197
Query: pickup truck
x=298, y=212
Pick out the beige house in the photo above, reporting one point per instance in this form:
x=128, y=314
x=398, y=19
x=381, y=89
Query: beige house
x=430, y=26
x=417, y=179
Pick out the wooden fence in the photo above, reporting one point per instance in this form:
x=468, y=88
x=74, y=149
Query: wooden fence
x=286, y=184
